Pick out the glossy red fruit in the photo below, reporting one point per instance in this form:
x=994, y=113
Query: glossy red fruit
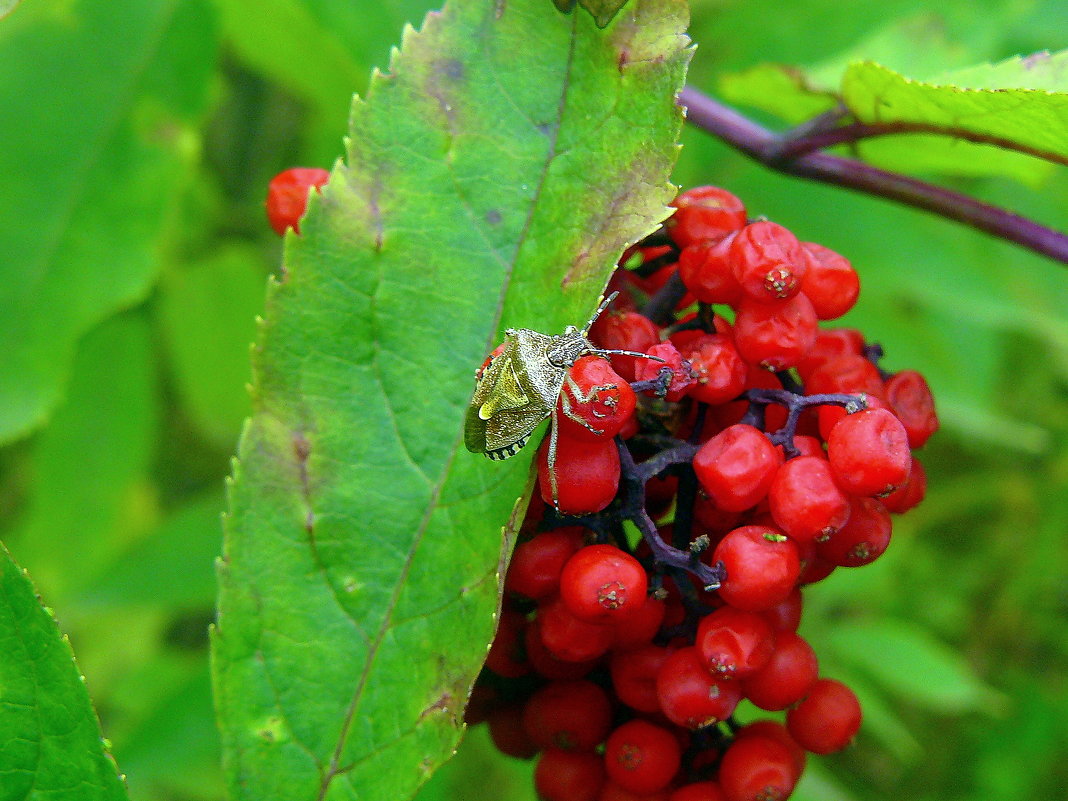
x=733, y=643
x=787, y=676
x=786, y=615
x=690, y=695
x=762, y=567
x=638, y=627
x=642, y=757
x=572, y=715
x=287, y=196
x=568, y=638
x=864, y=537
x=506, y=657
x=831, y=343
x=699, y=791
x=719, y=369
x=534, y=571
x=682, y=378
x=634, y=675
x=626, y=330
x=911, y=400
x=805, y=502
x=586, y=474
x=736, y=467
x=909, y=494
x=506, y=731
x=705, y=269
x=613, y=792
x=831, y=283
x=776, y=731
x=545, y=664
x=757, y=768
x=768, y=262
x=848, y=373
x=828, y=718
x=869, y=452
x=569, y=775
x=775, y=336
x=595, y=402
x=600, y=583
x=704, y=213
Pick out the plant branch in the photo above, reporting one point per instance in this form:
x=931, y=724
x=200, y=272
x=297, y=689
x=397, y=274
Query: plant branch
x=797, y=143
x=765, y=146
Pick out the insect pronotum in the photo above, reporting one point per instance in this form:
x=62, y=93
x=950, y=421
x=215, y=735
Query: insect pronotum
x=519, y=387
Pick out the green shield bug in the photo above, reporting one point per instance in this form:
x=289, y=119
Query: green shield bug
x=519, y=385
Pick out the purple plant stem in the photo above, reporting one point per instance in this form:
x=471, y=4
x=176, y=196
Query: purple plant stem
x=768, y=148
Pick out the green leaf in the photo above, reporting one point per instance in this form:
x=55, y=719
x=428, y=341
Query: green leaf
x=493, y=177
x=207, y=313
x=1017, y=105
x=7, y=6
x=908, y=661
x=91, y=493
x=603, y=11
x=52, y=742
x=104, y=95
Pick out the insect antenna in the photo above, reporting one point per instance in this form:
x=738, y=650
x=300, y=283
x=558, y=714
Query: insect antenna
x=600, y=309
x=632, y=353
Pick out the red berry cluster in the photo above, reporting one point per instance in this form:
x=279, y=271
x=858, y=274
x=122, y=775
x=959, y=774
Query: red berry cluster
x=754, y=456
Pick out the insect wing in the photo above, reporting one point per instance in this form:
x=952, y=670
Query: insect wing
x=511, y=397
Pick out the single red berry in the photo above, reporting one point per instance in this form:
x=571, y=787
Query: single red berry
x=776, y=731
x=627, y=330
x=805, y=502
x=690, y=695
x=757, y=768
x=613, y=792
x=534, y=571
x=585, y=475
x=634, y=675
x=768, y=262
x=704, y=213
x=506, y=731
x=548, y=666
x=848, y=373
x=911, y=400
x=601, y=583
x=569, y=775
x=734, y=643
x=569, y=638
x=830, y=282
x=828, y=415
x=642, y=757
x=869, y=452
x=718, y=367
x=762, y=567
x=705, y=269
x=699, y=791
x=909, y=494
x=863, y=538
x=786, y=615
x=506, y=657
x=595, y=402
x=572, y=715
x=736, y=467
x=828, y=718
x=682, y=378
x=638, y=627
x=831, y=343
x=775, y=336
x=287, y=196
x=788, y=675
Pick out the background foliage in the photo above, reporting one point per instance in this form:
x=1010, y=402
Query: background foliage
x=137, y=141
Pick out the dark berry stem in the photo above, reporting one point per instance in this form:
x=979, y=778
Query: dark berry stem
x=768, y=148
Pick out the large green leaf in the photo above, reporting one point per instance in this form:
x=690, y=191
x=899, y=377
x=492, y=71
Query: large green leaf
x=52, y=742
x=493, y=176
x=97, y=101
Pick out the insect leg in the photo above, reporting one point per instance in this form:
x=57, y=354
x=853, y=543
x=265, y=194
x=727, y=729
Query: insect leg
x=565, y=402
x=553, y=423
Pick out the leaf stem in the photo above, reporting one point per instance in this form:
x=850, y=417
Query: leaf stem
x=768, y=148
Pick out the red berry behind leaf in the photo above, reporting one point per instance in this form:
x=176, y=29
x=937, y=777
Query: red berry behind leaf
x=287, y=196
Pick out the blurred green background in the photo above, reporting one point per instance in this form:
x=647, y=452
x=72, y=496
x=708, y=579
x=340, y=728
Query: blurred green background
x=136, y=141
